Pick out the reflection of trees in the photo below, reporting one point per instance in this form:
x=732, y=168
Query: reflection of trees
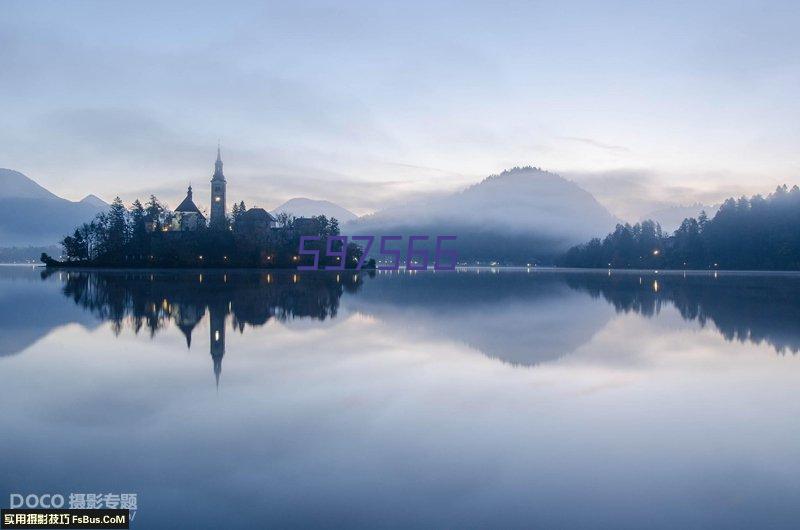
x=153, y=300
x=755, y=308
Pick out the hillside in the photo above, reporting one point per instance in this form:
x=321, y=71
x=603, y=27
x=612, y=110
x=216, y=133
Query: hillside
x=523, y=214
x=759, y=233
x=302, y=207
x=32, y=215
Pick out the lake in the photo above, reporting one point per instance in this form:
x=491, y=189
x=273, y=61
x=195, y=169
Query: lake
x=469, y=399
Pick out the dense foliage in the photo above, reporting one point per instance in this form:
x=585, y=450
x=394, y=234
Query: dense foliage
x=137, y=237
x=746, y=234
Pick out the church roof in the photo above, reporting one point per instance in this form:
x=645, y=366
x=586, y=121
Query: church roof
x=258, y=213
x=188, y=205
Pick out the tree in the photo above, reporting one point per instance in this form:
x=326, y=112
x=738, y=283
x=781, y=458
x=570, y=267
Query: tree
x=118, y=232
x=284, y=220
x=155, y=212
x=333, y=226
x=75, y=246
x=759, y=233
x=237, y=211
x=139, y=238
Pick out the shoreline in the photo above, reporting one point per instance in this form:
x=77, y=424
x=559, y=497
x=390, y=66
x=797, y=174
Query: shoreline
x=476, y=268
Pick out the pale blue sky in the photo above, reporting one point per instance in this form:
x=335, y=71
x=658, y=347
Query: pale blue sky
x=367, y=102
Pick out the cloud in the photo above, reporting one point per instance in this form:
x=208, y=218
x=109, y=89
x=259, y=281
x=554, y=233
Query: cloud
x=595, y=143
x=632, y=194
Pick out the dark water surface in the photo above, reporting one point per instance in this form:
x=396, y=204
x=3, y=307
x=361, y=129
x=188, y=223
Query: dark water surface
x=508, y=399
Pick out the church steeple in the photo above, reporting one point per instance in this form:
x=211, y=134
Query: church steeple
x=218, y=219
x=218, y=175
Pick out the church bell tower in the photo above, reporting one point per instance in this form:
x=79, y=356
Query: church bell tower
x=218, y=219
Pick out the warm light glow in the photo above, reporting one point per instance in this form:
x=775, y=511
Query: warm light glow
x=217, y=199
x=655, y=286
x=656, y=252
x=216, y=335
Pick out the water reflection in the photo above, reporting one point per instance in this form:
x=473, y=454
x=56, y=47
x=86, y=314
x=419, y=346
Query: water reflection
x=153, y=300
x=428, y=400
x=742, y=307
x=516, y=317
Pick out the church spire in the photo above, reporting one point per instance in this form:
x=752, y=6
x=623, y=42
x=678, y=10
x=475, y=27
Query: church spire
x=218, y=175
x=218, y=219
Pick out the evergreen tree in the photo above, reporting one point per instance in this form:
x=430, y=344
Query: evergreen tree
x=155, y=213
x=139, y=238
x=237, y=211
x=118, y=230
x=759, y=233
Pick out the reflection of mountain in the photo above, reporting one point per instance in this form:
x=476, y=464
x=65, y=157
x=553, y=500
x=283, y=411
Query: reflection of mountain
x=517, y=317
x=153, y=300
x=742, y=307
x=30, y=309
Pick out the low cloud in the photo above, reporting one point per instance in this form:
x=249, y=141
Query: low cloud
x=632, y=194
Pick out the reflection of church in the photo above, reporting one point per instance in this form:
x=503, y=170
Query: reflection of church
x=155, y=300
x=187, y=316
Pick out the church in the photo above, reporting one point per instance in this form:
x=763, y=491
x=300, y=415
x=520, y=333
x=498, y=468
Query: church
x=188, y=216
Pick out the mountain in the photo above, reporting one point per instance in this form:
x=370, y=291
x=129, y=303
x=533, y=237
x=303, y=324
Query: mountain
x=521, y=215
x=94, y=200
x=302, y=207
x=14, y=184
x=671, y=217
x=31, y=215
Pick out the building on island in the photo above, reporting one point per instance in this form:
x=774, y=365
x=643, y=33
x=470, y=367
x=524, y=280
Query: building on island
x=187, y=215
x=255, y=224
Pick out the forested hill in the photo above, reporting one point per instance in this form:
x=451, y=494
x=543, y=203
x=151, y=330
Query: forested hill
x=746, y=234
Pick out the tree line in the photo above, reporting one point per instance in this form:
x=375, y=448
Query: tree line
x=756, y=233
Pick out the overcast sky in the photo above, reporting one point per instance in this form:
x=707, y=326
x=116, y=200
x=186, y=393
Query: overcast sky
x=364, y=103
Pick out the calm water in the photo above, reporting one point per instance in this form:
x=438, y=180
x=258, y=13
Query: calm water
x=510, y=399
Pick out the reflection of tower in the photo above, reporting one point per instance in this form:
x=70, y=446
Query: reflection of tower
x=186, y=317
x=217, y=330
x=218, y=194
